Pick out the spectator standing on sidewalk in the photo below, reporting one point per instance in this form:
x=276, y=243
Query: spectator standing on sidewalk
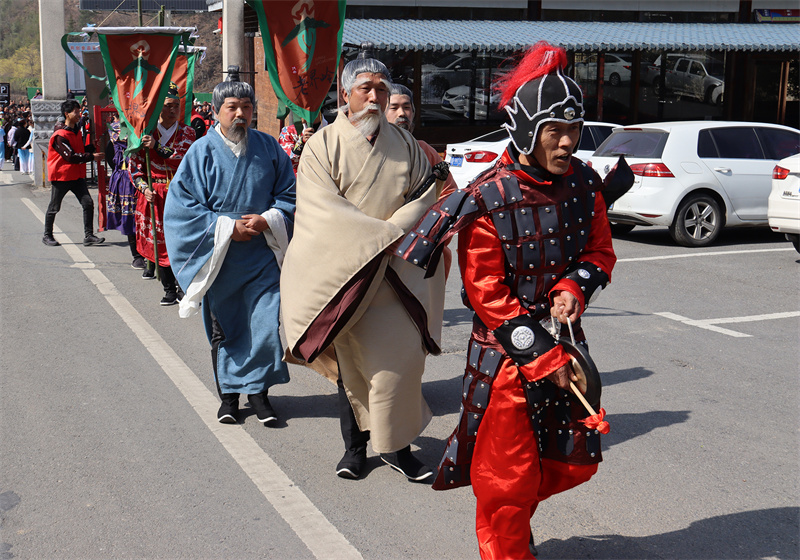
x=66, y=170
x=24, y=143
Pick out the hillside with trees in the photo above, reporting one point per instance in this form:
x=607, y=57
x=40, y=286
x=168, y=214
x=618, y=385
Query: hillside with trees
x=20, y=63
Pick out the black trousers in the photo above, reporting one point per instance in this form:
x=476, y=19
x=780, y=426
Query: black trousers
x=58, y=192
x=217, y=336
x=164, y=273
x=354, y=439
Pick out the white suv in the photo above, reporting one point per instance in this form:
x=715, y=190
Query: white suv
x=696, y=176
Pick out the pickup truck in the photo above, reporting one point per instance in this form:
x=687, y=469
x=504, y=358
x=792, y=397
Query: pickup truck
x=693, y=78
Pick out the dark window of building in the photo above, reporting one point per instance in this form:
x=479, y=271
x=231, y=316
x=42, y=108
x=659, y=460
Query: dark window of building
x=691, y=88
x=457, y=87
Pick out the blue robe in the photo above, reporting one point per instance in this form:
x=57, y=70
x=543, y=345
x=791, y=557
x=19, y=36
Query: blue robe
x=244, y=297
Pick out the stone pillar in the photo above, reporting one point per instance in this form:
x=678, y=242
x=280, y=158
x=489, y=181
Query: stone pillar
x=54, y=63
x=54, y=83
x=232, y=33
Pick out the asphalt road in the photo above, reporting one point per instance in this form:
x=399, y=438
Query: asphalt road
x=110, y=447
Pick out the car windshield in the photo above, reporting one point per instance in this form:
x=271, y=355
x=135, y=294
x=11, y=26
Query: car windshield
x=633, y=143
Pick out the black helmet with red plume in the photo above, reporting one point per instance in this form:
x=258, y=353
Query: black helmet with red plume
x=536, y=91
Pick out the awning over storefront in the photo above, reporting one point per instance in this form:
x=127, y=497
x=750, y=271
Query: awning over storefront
x=421, y=35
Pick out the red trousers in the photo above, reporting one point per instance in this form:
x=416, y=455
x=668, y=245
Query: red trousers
x=507, y=477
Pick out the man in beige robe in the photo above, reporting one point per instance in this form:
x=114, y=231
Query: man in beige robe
x=343, y=289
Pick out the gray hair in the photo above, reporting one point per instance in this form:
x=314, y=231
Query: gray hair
x=400, y=89
x=224, y=90
x=362, y=66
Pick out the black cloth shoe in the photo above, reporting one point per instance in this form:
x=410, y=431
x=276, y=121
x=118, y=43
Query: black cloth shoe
x=264, y=411
x=170, y=298
x=352, y=463
x=228, y=408
x=180, y=294
x=92, y=239
x=532, y=546
x=403, y=461
x=149, y=271
x=50, y=241
x=138, y=263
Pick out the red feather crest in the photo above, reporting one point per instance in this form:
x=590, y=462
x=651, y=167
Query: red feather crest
x=539, y=60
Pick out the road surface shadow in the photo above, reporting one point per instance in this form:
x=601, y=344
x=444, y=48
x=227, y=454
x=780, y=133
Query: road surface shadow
x=659, y=237
x=616, y=377
x=625, y=427
x=766, y=533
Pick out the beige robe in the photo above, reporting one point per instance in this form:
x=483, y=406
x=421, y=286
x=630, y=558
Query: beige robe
x=351, y=205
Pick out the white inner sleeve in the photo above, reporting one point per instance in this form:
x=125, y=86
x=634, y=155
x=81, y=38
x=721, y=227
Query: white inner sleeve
x=277, y=236
x=190, y=304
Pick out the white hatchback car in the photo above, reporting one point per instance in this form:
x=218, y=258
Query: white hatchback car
x=468, y=159
x=695, y=177
x=783, y=207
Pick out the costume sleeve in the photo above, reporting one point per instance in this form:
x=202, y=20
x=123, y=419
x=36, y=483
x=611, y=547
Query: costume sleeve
x=409, y=213
x=598, y=251
x=136, y=170
x=288, y=140
x=482, y=263
x=61, y=145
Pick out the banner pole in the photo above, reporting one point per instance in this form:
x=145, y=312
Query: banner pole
x=152, y=213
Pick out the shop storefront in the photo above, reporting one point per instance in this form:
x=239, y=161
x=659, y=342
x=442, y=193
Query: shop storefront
x=629, y=72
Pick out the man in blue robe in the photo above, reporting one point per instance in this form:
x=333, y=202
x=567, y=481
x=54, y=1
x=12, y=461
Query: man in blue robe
x=228, y=219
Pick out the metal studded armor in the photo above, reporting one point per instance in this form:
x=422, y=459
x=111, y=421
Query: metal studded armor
x=543, y=233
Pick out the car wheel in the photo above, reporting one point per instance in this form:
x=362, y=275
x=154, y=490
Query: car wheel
x=795, y=239
x=657, y=87
x=720, y=100
x=697, y=222
x=614, y=79
x=621, y=229
x=709, y=93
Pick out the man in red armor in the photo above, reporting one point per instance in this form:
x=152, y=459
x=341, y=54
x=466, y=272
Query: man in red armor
x=167, y=146
x=534, y=242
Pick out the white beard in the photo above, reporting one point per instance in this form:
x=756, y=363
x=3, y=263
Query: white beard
x=367, y=123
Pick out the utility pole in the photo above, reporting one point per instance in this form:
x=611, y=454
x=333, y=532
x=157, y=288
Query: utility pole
x=232, y=33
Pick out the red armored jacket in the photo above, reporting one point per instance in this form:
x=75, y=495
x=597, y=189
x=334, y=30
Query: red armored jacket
x=524, y=236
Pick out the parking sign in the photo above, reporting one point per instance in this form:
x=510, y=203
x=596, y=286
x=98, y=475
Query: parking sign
x=5, y=93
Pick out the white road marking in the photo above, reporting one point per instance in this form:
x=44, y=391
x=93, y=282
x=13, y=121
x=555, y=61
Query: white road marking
x=707, y=254
x=710, y=324
x=310, y=525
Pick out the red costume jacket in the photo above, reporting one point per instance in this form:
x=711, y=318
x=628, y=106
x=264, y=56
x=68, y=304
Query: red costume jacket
x=524, y=235
x=164, y=161
x=66, y=160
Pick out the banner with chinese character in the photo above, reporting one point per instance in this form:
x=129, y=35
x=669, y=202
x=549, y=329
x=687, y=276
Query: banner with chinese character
x=139, y=64
x=302, y=44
